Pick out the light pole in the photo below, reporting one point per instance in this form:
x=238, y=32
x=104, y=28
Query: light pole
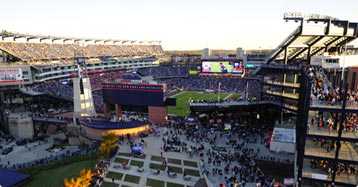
x=219, y=85
x=247, y=89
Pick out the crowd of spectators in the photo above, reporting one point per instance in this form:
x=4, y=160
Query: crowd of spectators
x=323, y=93
x=233, y=165
x=58, y=89
x=327, y=124
x=131, y=76
x=38, y=53
x=165, y=72
x=328, y=167
x=210, y=83
x=55, y=88
x=97, y=79
x=128, y=116
x=64, y=91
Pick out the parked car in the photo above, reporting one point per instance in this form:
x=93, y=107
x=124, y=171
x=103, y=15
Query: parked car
x=20, y=141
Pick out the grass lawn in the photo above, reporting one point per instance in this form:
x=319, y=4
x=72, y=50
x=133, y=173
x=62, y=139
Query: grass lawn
x=114, y=175
x=132, y=178
x=192, y=172
x=278, y=171
x=174, y=161
x=156, y=166
x=56, y=176
x=121, y=160
x=182, y=108
x=109, y=184
x=155, y=183
x=169, y=184
x=175, y=169
x=137, y=163
x=157, y=158
x=190, y=163
x=142, y=157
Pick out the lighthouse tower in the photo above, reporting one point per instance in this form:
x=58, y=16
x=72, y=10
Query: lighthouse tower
x=82, y=92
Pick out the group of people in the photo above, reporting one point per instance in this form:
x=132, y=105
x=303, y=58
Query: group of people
x=322, y=92
x=57, y=89
x=328, y=167
x=235, y=165
x=165, y=72
x=97, y=79
x=325, y=93
x=225, y=84
x=39, y=51
x=198, y=83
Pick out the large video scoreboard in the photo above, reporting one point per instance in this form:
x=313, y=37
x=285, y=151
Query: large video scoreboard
x=223, y=67
x=134, y=94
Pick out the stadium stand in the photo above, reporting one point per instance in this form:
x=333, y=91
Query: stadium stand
x=42, y=51
x=165, y=72
x=209, y=83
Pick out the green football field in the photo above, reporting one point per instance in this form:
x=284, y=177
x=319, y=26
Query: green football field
x=215, y=67
x=182, y=108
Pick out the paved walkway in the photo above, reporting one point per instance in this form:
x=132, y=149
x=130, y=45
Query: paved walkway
x=32, y=151
x=148, y=173
x=153, y=149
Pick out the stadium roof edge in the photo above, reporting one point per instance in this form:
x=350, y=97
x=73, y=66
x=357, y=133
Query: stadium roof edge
x=314, y=36
x=7, y=34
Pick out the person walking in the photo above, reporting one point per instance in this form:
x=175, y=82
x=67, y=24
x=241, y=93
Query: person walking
x=168, y=170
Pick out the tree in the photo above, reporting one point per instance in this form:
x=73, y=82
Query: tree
x=109, y=143
x=83, y=180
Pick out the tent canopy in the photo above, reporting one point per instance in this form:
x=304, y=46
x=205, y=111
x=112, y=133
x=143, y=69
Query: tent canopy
x=10, y=178
x=191, y=119
x=137, y=148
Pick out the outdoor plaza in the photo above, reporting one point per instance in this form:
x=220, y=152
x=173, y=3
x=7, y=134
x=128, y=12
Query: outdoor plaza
x=187, y=167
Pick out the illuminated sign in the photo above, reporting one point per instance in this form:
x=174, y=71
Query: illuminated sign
x=11, y=75
x=143, y=87
x=319, y=176
x=134, y=94
x=223, y=67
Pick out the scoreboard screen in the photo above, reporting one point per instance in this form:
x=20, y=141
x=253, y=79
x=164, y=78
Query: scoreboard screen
x=134, y=94
x=222, y=67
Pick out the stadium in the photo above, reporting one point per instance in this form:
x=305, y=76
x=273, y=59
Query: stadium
x=298, y=100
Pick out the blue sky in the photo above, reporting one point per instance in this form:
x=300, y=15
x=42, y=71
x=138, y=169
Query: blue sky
x=179, y=24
